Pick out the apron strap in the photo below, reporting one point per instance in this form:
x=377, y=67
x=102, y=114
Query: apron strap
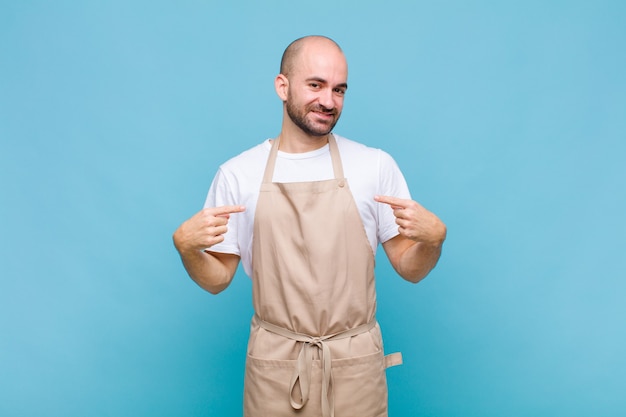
x=334, y=155
x=271, y=161
x=302, y=373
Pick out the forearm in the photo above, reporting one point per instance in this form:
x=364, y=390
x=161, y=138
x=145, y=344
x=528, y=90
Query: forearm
x=414, y=252
x=414, y=259
x=417, y=260
x=211, y=271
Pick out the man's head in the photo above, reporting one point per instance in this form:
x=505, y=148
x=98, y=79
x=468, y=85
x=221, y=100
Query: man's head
x=312, y=84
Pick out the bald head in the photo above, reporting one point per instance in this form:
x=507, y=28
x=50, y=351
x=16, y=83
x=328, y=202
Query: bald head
x=292, y=53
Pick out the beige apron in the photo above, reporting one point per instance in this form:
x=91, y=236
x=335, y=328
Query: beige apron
x=315, y=347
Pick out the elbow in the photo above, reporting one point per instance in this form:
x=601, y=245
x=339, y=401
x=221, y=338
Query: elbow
x=215, y=289
x=414, y=277
x=416, y=271
x=211, y=287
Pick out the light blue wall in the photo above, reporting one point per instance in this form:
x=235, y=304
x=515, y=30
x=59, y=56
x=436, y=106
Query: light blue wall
x=508, y=119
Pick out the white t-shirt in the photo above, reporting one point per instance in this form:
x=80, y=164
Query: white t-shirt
x=369, y=172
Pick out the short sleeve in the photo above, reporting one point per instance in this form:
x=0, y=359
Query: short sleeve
x=221, y=194
x=391, y=183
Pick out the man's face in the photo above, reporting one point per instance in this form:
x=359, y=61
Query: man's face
x=317, y=85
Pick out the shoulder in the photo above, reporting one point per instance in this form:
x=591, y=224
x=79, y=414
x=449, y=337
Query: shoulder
x=352, y=145
x=242, y=172
x=365, y=155
x=248, y=165
x=251, y=156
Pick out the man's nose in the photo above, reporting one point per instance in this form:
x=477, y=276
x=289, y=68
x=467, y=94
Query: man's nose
x=327, y=99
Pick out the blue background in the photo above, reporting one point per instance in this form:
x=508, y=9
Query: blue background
x=507, y=118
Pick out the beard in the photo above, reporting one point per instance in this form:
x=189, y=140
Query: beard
x=299, y=117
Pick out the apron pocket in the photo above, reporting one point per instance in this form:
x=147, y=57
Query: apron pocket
x=266, y=389
x=360, y=386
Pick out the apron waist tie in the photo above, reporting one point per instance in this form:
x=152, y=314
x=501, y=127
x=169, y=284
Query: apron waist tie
x=302, y=372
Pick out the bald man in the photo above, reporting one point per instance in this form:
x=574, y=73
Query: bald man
x=305, y=213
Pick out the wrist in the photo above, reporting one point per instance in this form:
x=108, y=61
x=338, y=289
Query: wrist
x=183, y=247
x=437, y=237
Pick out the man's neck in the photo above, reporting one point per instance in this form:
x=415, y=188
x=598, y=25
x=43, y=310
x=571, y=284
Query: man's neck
x=297, y=141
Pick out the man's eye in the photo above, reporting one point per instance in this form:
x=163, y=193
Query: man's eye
x=314, y=85
x=340, y=91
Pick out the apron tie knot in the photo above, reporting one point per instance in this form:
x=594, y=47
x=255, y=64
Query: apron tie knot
x=316, y=341
x=301, y=377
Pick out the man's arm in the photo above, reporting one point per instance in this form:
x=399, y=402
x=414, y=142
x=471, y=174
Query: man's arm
x=416, y=250
x=212, y=271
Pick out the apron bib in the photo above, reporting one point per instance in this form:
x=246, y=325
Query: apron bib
x=315, y=347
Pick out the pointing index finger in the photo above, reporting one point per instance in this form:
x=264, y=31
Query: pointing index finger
x=394, y=202
x=226, y=210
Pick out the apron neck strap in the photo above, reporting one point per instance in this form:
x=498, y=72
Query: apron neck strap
x=334, y=156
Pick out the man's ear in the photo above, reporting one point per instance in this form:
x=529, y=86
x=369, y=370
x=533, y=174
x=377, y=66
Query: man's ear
x=281, y=84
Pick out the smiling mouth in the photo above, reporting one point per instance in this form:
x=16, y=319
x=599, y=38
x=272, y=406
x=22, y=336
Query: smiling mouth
x=324, y=115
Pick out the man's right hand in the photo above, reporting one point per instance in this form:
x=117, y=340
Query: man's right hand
x=205, y=229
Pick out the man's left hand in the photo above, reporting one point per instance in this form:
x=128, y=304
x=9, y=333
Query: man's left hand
x=414, y=221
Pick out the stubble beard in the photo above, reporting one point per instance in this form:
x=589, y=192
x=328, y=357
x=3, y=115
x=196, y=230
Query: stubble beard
x=299, y=118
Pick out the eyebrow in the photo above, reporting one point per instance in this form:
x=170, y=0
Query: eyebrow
x=323, y=81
